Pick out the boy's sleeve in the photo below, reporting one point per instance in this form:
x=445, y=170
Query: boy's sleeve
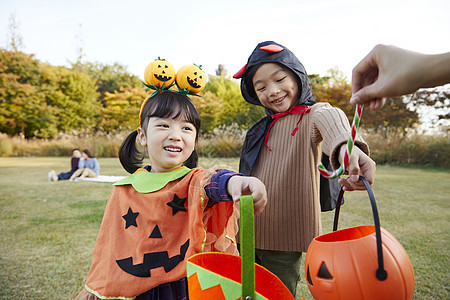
x=332, y=127
x=216, y=190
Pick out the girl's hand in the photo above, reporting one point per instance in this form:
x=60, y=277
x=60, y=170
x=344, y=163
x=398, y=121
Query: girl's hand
x=359, y=164
x=244, y=185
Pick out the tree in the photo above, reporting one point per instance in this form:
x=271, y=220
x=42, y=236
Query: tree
x=235, y=108
x=109, y=78
x=18, y=95
x=435, y=102
x=395, y=119
x=15, y=41
x=121, y=109
x=333, y=89
x=38, y=100
x=210, y=108
x=74, y=95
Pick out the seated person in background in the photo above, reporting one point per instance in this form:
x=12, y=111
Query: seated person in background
x=87, y=166
x=76, y=154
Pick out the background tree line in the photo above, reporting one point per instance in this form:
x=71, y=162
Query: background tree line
x=40, y=100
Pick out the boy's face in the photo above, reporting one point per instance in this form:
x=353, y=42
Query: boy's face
x=76, y=153
x=275, y=87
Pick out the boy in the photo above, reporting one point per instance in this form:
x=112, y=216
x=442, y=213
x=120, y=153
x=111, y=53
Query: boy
x=283, y=150
x=76, y=154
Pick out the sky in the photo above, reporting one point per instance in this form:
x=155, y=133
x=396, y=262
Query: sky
x=323, y=34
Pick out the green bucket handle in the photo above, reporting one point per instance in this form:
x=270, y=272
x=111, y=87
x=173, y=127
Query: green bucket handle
x=247, y=234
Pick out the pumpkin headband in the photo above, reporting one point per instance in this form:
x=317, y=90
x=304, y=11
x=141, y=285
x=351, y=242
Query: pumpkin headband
x=160, y=75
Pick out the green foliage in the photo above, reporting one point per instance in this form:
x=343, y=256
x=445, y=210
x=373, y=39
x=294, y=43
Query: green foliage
x=109, y=78
x=395, y=119
x=38, y=100
x=224, y=141
x=412, y=150
x=100, y=145
x=121, y=109
x=235, y=109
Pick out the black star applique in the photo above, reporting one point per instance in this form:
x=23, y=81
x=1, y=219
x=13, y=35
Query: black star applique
x=130, y=218
x=177, y=204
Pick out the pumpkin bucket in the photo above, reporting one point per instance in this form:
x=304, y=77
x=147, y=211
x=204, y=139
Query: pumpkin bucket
x=218, y=276
x=364, y=262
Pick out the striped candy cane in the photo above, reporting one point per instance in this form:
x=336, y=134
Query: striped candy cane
x=351, y=141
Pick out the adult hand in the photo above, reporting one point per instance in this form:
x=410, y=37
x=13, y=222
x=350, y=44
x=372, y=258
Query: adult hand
x=389, y=71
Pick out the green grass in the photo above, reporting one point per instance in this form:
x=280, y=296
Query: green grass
x=48, y=229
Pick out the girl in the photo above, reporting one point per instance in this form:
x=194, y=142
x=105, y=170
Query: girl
x=163, y=213
x=87, y=166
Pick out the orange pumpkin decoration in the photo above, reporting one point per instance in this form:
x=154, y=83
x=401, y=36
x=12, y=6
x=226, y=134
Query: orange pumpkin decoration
x=364, y=262
x=191, y=78
x=159, y=73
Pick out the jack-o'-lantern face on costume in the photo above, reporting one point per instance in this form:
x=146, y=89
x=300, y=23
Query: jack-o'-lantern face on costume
x=152, y=224
x=191, y=78
x=153, y=260
x=159, y=73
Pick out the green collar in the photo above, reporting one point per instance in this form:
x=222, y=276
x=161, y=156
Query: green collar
x=145, y=182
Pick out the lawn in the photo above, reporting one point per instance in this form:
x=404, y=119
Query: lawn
x=48, y=229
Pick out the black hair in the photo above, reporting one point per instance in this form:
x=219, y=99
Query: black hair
x=88, y=153
x=163, y=105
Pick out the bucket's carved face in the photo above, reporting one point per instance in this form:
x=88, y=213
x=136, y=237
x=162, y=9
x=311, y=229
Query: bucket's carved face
x=153, y=260
x=343, y=264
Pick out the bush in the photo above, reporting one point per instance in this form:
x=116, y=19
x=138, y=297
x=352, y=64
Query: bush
x=227, y=141
x=416, y=149
x=98, y=145
x=224, y=141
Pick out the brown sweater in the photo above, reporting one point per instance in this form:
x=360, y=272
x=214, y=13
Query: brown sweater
x=291, y=218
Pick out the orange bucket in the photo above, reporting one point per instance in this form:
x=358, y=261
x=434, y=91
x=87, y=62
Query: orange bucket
x=364, y=262
x=220, y=276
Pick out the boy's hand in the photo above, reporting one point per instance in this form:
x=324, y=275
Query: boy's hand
x=244, y=185
x=359, y=164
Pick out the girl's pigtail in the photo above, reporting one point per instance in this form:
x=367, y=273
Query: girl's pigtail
x=130, y=157
x=192, y=161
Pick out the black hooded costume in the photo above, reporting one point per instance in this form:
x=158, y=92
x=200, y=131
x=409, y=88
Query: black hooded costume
x=271, y=52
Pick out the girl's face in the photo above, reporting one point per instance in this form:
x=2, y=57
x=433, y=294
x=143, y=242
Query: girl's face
x=169, y=142
x=275, y=87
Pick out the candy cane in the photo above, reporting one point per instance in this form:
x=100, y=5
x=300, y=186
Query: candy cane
x=351, y=141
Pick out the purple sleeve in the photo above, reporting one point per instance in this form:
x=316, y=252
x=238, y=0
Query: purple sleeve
x=74, y=163
x=216, y=191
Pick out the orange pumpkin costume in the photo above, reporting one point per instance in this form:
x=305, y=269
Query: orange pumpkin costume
x=153, y=223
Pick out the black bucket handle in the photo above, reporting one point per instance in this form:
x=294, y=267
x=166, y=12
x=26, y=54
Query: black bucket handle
x=381, y=273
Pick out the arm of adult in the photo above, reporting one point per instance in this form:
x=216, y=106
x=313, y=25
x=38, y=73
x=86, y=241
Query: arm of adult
x=389, y=71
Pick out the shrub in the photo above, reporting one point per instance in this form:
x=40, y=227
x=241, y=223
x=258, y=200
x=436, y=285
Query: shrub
x=428, y=150
x=224, y=141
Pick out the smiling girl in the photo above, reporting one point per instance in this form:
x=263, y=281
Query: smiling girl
x=165, y=212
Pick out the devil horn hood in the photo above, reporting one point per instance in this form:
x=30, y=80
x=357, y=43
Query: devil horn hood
x=271, y=52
